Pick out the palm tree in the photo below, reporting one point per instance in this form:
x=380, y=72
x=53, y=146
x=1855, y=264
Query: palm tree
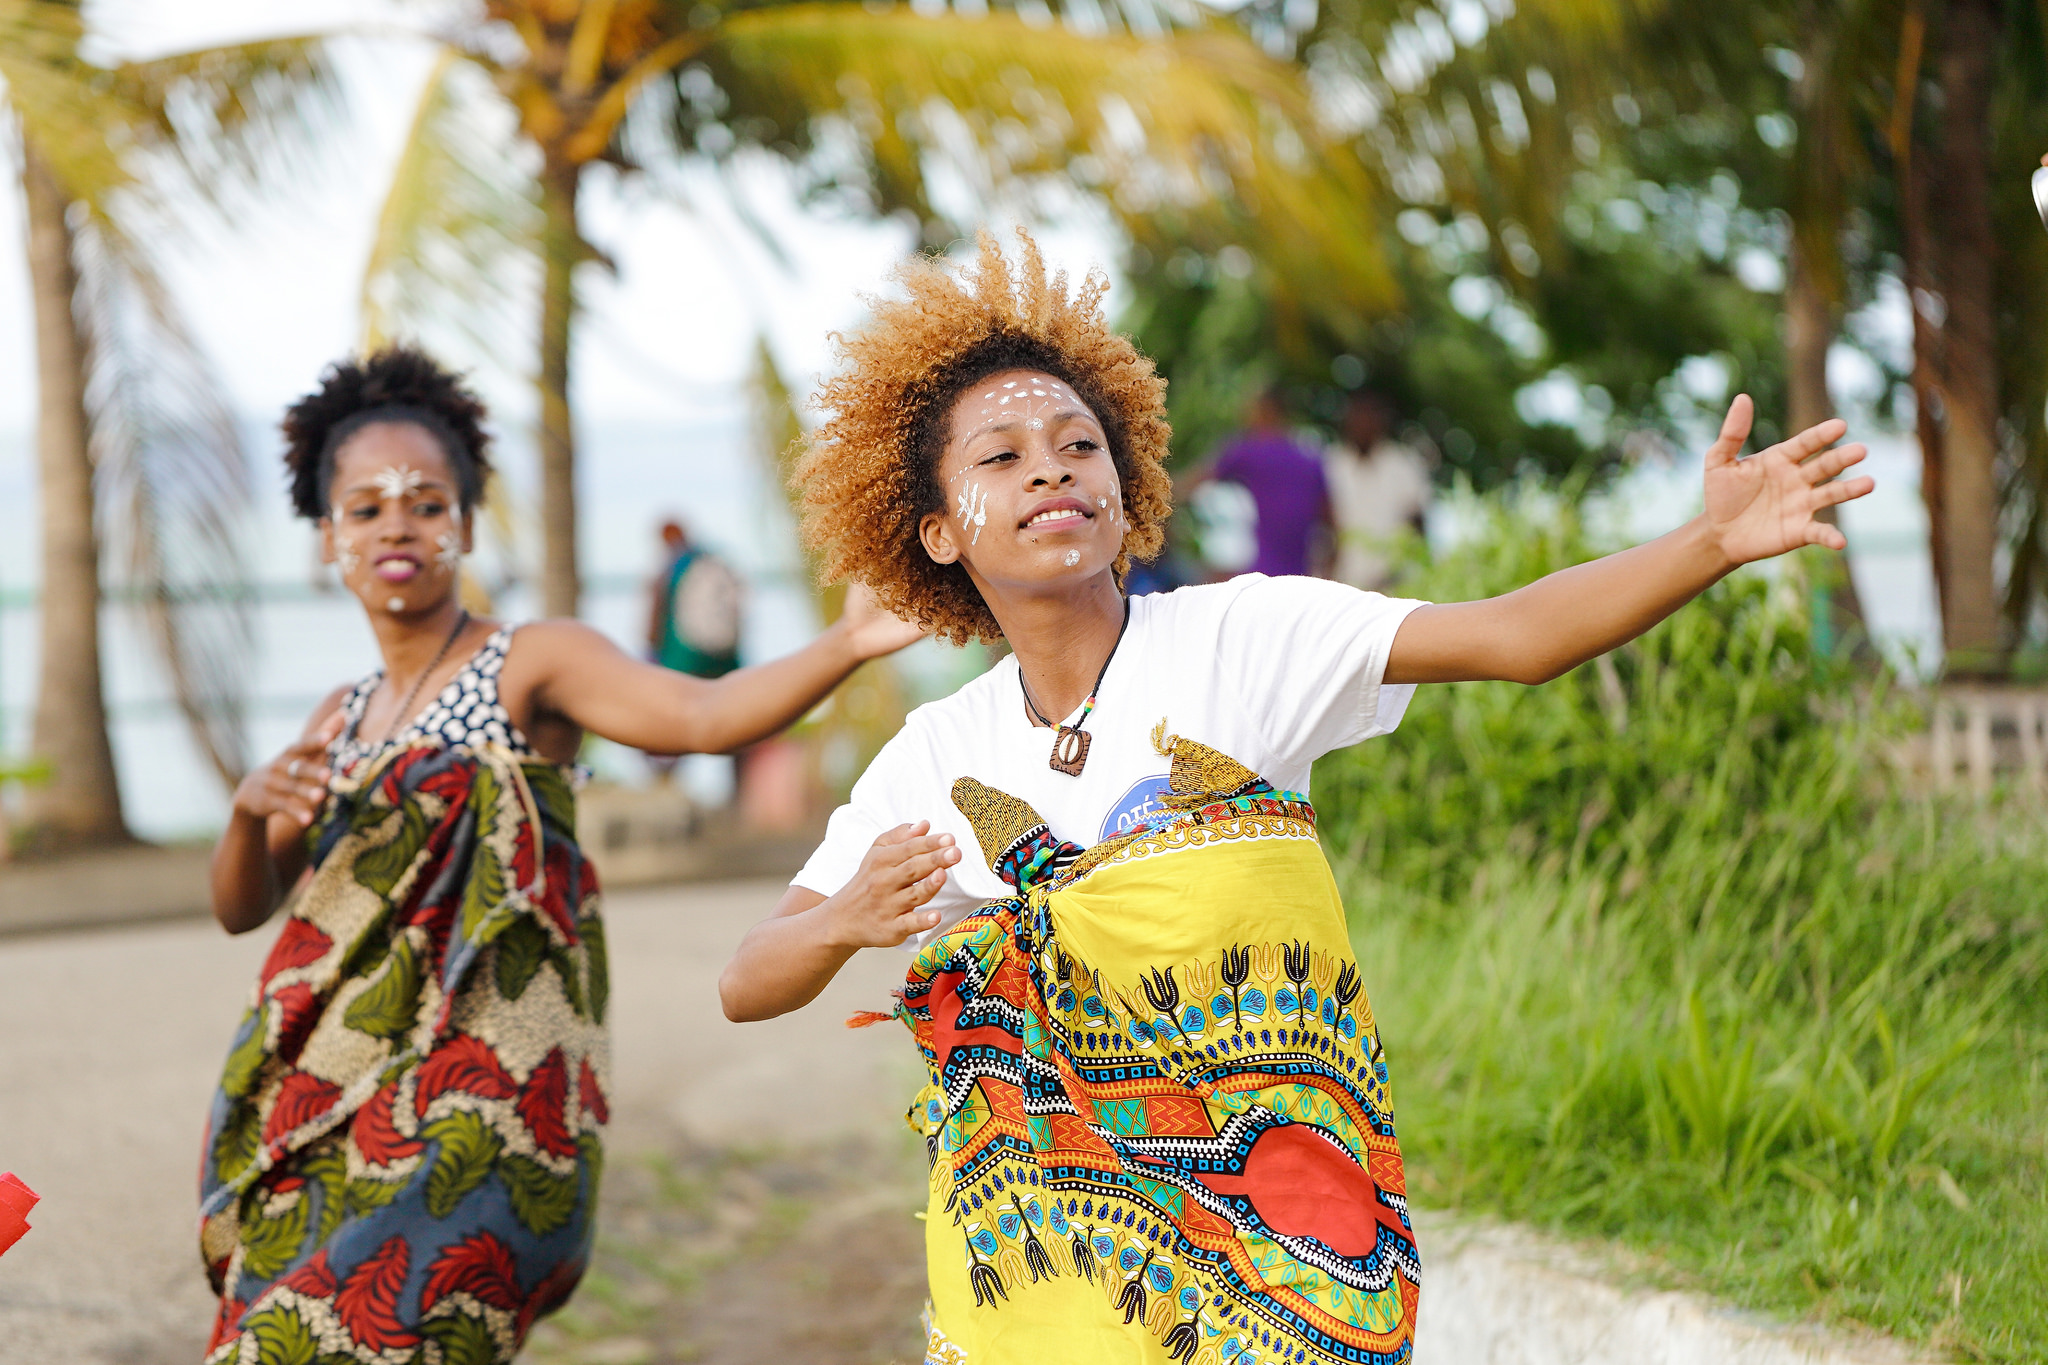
x=1190, y=124
x=1956, y=330
x=135, y=445
x=1965, y=259
x=1943, y=183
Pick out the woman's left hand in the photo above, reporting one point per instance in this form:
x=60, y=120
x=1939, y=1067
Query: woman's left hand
x=872, y=631
x=1765, y=505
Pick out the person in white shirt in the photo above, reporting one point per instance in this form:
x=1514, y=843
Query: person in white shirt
x=991, y=465
x=1379, y=490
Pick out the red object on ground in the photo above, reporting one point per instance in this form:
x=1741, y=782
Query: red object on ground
x=16, y=1199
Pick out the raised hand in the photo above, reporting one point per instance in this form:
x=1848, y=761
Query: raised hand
x=884, y=903
x=295, y=782
x=1764, y=505
x=873, y=631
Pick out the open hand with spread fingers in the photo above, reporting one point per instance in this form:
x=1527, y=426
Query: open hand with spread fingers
x=884, y=903
x=1764, y=505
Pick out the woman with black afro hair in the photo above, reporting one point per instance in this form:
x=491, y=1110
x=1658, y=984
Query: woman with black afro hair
x=402, y=1158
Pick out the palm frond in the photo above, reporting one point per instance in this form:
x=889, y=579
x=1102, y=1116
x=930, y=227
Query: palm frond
x=457, y=235
x=1196, y=132
x=72, y=111
x=236, y=117
x=171, y=482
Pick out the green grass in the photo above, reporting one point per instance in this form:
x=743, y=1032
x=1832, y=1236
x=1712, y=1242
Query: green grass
x=1666, y=952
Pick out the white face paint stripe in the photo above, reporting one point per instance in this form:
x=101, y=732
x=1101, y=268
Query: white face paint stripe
x=973, y=510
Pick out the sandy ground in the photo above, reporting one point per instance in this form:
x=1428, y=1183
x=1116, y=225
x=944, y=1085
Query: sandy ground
x=759, y=1192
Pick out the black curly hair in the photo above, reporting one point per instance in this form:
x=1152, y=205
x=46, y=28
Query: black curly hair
x=396, y=384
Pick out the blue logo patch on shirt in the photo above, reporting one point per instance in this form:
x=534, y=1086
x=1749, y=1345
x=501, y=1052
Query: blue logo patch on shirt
x=1140, y=805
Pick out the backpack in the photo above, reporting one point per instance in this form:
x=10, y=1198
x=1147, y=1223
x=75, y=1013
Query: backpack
x=700, y=633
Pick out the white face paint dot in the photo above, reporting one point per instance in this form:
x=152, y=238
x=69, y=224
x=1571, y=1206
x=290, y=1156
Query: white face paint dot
x=395, y=604
x=1034, y=424
x=1102, y=502
x=1073, y=558
x=1010, y=384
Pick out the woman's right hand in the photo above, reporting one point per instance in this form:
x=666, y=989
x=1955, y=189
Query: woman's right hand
x=294, y=783
x=884, y=903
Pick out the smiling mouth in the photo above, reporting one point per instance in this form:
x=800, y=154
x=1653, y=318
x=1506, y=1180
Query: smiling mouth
x=398, y=569
x=1058, y=514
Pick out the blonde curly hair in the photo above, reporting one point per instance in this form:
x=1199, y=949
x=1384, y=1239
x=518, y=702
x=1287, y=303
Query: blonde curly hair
x=869, y=474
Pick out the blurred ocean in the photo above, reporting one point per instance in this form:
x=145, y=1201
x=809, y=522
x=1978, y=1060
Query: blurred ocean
x=309, y=637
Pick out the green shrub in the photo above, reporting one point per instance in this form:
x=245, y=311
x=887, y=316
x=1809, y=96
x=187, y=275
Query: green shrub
x=1666, y=950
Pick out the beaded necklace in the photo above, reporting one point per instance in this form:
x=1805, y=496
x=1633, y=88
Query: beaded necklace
x=1070, y=742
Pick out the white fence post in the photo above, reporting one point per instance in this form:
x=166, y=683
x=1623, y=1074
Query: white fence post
x=1979, y=735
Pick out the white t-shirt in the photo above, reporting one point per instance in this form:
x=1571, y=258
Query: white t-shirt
x=1274, y=672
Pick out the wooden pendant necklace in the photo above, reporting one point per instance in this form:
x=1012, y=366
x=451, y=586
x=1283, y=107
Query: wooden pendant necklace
x=1070, y=742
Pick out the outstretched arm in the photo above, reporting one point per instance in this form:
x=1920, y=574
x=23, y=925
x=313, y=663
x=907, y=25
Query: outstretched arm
x=586, y=678
x=1755, y=508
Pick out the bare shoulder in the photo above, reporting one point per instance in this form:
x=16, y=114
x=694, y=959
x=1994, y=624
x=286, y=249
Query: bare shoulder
x=541, y=646
x=559, y=633
x=546, y=656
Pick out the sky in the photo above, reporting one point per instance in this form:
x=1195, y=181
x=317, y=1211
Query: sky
x=671, y=336
x=666, y=347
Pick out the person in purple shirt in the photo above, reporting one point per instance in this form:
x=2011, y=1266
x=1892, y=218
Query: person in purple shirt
x=1287, y=487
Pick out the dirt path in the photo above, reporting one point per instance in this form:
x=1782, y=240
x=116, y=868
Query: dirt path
x=758, y=1199
x=759, y=1195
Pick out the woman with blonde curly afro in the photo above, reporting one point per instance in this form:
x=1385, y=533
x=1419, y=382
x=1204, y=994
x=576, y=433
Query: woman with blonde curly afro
x=1158, y=1112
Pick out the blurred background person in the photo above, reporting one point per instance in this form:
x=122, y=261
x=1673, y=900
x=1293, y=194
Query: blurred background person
x=695, y=607
x=1287, y=487
x=1379, y=491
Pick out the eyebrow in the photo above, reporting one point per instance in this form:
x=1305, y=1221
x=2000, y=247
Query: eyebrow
x=371, y=486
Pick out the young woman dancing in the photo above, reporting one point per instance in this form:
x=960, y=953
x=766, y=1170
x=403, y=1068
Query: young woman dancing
x=404, y=1151
x=1158, y=1112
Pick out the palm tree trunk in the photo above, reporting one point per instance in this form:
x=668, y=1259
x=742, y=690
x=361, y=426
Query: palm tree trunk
x=1916, y=262
x=81, y=803
x=1961, y=225
x=1813, y=293
x=1809, y=332
x=1810, y=325
x=561, y=250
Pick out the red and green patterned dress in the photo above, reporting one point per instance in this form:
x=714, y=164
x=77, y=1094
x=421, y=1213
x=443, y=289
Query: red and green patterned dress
x=402, y=1159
